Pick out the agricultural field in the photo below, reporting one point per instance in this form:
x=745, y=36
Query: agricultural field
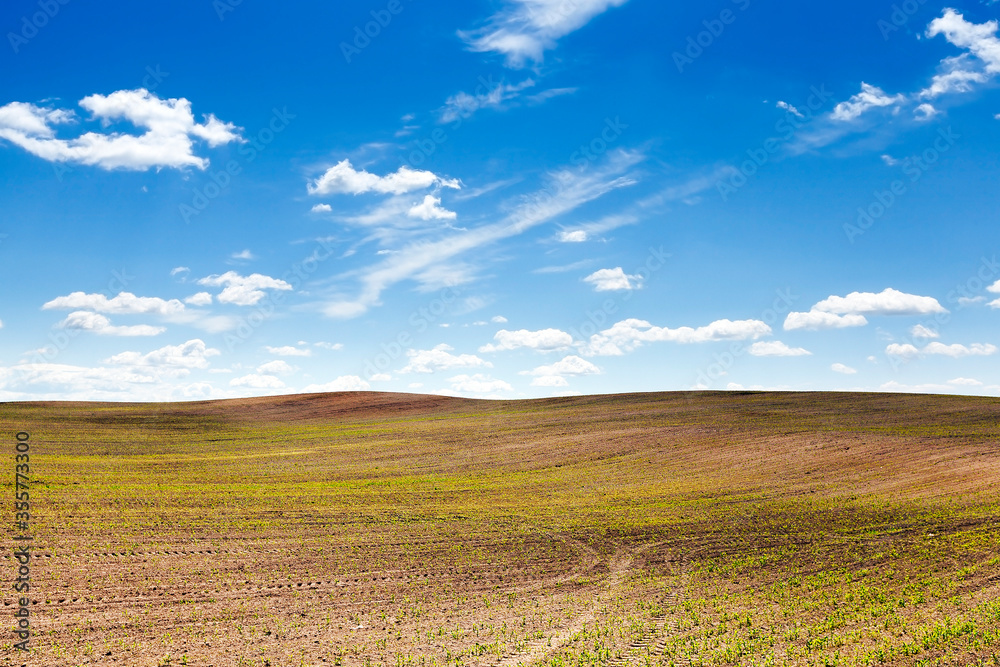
x=703, y=528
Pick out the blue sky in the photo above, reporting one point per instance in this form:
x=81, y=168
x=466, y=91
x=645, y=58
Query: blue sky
x=505, y=199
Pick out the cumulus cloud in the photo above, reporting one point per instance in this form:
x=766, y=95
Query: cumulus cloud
x=842, y=368
x=886, y=302
x=570, y=365
x=440, y=358
x=630, y=334
x=321, y=208
x=965, y=382
x=168, y=140
x=920, y=331
x=288, y=351
x=192, y=354
x=612, y=280
x=498, y=319
x=776, y=349
x=545, y=340
x=925, y=112
x=870, y=97
x=430, y=209
x=243, y=290
x=83, y=320
x=199, y=299
x=838, y=312
x=979, y=39
x=524, y=29
x=276, y=367
x=125, y=303
x=478, y=384
x=815, y=320
x=257, y=381
x=909, y=351
x=343, y=178
x=342, y=383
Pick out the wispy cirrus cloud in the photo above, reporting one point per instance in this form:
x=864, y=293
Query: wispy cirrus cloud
x=524, y=29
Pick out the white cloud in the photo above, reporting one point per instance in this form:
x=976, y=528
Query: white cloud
x=343, y=383
x=498, y=319
x=965, y=382
x=610, y=280
x=575, y=236
x=955, y=351
x=886, y=302
x=243, y=290
x=955, y=79
x=925, y=112
x=968, y=301
x=288, y=351
x=979, y=39
x=630, y=334
x=125, y=303
x=545, y=340
x=99, y=324
x=920, y=331
x=815, y=320
x=524, y=29
x=870, y=97
x=567, y=190
x=276, y=367
x=343, y=178
x=430, y=209
x=994, y=288
x=889, y=160
x=199, y=299
x=329, y=346
x=550, y=381
x=463, y=105
x=440, y=358
x=776, y=349
x=243, y=255
x=570, y=365
x=179, y=270
x=478, y=384
x=321, y=208
x=167, y=142
x=789, y=108
x=381, y=377
x=842, y=368
x=192, y=354
x=256, y=381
